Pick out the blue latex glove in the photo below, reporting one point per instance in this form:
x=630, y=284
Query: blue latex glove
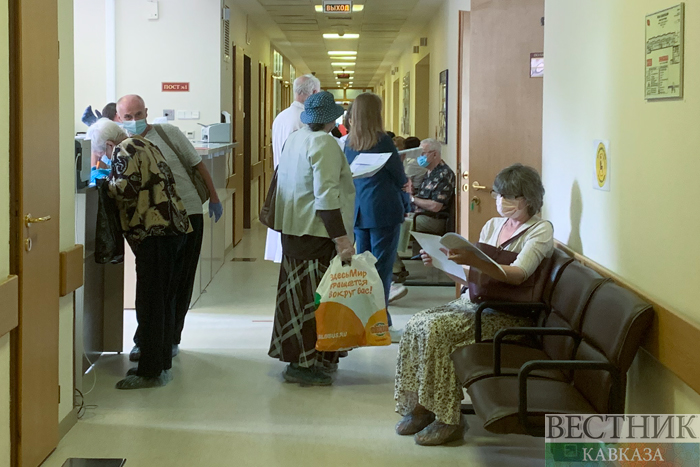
x=216, y=210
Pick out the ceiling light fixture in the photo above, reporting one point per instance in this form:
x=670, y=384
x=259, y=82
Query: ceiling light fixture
x=352, y=57
x=343, y=72
x=342, y=52
x=343, y=64
x=338, y=36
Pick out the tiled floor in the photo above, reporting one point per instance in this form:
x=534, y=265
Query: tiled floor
x=228, y=405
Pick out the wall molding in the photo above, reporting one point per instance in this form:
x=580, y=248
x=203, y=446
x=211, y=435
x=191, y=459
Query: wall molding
x=71, y=267
x=9, y=311
x=673, y=340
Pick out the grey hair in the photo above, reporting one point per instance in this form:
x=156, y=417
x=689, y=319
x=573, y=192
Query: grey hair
x=104, y=130
x=431, y=144
x=521, y=180
x=305, y=85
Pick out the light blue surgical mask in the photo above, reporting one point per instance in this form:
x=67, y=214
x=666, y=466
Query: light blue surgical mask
x=423, y=160
x=106, y=161
x=135, y=127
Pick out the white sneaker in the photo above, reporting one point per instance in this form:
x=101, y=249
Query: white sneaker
x=396, y=292
x=395, y=334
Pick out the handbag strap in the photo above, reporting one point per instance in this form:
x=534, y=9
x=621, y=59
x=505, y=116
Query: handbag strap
x=165, y=138
x=512, y=239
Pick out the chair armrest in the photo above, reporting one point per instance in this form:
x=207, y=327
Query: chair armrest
x=514, y=308
x=617, y=395
x=525, y=331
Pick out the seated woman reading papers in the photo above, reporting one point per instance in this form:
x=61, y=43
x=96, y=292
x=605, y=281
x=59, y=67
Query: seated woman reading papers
x=427, y=392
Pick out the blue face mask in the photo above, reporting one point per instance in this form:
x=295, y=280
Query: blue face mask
x=423, y=160
x=135, y=127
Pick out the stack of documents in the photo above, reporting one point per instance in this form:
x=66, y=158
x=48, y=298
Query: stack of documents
x=433, y=245
x=366, y=165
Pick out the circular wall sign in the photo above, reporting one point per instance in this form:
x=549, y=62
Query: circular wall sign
x=601, y=165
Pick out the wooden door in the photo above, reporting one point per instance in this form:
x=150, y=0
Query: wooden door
x=34, y=137
x=396, y=106
x=247, y=141
x=505, y=104
x=235, y=181
x=269, y=161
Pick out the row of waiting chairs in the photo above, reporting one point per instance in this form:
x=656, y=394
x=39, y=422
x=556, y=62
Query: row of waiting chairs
x=575, y=360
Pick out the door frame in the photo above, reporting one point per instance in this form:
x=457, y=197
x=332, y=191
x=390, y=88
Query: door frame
x=34, y=89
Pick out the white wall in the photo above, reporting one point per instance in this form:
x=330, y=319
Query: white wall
x=443, y=46
x=90, y=61
x=67, y=194
x=641, y=229
x=181, y=46
x=5, y=446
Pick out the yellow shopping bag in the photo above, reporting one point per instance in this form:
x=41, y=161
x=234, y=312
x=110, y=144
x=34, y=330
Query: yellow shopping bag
x=351, y=311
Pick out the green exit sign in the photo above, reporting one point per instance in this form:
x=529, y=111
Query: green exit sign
x=337, y=6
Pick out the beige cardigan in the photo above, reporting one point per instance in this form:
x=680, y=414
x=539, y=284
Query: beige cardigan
x=313, y=175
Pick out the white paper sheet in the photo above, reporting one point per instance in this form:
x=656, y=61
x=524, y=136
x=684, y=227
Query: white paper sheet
x=431, y=244
x=453, y=241
x=367, y=164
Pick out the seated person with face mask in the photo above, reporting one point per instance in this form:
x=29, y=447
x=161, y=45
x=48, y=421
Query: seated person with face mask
x=427, y=392
x=436, y=190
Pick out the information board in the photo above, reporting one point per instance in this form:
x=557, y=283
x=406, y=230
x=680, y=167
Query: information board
x=664, y=53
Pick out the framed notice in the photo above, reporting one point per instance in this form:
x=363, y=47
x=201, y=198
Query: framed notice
x=442, y=117
x=664, y=53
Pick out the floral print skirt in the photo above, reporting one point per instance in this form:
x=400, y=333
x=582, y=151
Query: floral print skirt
x=425, y=373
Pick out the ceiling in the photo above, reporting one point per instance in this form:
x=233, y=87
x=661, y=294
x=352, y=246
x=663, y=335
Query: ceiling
x=386, y=28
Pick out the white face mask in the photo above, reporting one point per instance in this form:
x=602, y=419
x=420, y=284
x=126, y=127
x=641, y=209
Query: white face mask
x=510, y=208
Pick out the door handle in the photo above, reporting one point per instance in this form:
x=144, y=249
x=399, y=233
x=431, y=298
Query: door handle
x=29, y=220
x=478, y=187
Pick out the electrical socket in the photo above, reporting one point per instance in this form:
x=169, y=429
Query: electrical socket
x=190, y=135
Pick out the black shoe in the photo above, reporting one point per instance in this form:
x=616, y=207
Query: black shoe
x=176, y=350
x=135, y=354
x=307, y=376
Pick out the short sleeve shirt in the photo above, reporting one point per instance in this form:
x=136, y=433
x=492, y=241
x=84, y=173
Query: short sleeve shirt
x=438, y=185
x=143, y=188
x=185, y=187
x=532, y=247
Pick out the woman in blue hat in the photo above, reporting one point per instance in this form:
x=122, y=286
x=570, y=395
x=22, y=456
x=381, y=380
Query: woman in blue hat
x=314, y=210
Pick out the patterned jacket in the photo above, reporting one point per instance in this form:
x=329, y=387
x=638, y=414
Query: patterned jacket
x=144, y=189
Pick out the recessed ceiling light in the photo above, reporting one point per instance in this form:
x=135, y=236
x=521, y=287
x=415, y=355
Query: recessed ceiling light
x=351, y=57
x=342, y=52
x=338, y=36
x=342, y=64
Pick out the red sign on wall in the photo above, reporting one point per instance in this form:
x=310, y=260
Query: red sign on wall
x=176, y=87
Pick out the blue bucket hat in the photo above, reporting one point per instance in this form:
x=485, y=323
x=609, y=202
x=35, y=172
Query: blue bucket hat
x=321, y=108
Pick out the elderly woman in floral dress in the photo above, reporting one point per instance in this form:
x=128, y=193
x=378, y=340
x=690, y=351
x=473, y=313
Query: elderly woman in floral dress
x=427, y=392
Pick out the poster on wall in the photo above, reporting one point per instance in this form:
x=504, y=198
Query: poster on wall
x=664, y=53
x=537, y=65
x=406, y=119
x=442, y=118
x=601, y=171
